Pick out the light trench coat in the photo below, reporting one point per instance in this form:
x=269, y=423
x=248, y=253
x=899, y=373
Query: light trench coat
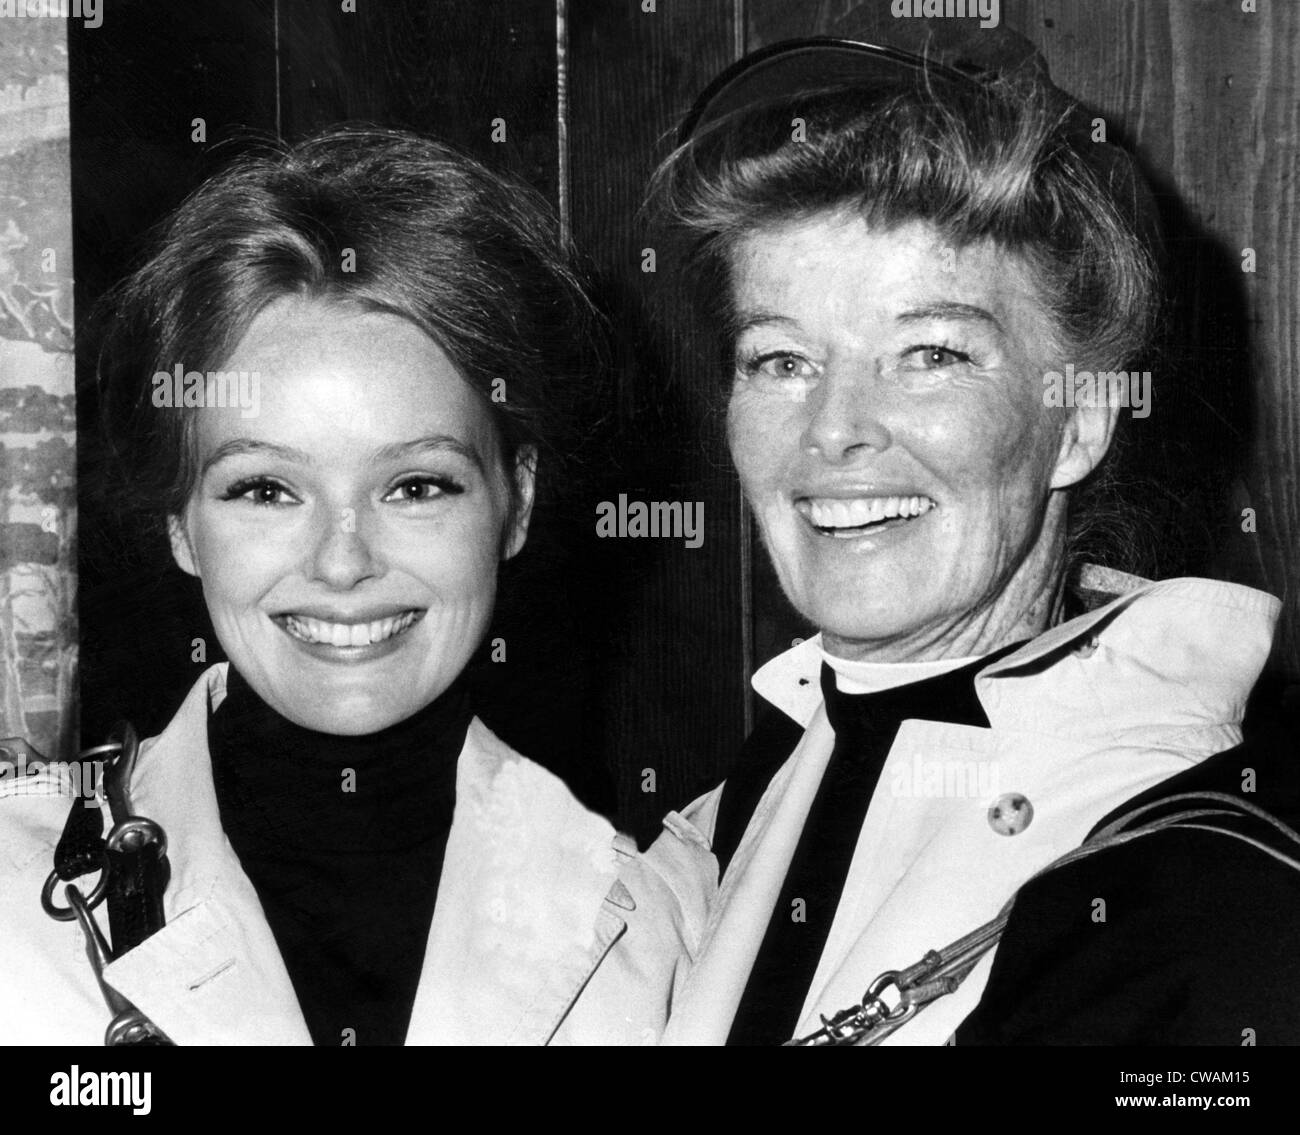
x=534, y=892
x=1081, y=719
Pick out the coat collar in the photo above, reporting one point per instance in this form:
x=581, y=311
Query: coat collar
x=523, y=917
x=1182, y=654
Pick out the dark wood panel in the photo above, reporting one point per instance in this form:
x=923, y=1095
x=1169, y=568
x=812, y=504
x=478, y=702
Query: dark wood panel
x=444, y=67
x=137, y=83
x=767, y=22
x=673, y=672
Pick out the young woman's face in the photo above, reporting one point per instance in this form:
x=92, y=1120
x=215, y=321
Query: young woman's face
x=348, y=535
x=890, y=431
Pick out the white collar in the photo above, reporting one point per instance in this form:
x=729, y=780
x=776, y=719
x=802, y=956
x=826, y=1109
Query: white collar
x=1184, y=652
x=855, y=677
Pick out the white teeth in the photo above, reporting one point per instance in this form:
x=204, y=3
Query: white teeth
x=830, y=512
x=347, y=634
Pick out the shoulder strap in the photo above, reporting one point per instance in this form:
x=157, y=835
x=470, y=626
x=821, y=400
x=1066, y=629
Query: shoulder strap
x=942, y=971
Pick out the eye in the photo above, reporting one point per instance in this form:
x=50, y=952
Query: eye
x=935, y=358
x=416, y=490
x=783, y=366
x=261, y=491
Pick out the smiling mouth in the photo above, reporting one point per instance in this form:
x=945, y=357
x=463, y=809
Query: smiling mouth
x=855, y=516
x=320, y=632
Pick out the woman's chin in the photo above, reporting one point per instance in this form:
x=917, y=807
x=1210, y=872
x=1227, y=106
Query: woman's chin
x=859, y=620
x=355, y=718
x=344, y=709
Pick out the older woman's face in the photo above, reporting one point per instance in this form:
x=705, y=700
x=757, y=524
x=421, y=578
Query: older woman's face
x=889, y=427
x=348, y=535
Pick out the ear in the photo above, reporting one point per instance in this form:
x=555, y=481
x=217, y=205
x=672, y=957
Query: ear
x=525, y=488
x=182, y=549
x=1086, y=438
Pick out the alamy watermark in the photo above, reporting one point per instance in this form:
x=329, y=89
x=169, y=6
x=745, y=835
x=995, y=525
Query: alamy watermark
x=25, y=773
x=75, y=1088
x=986, y=10
x=925, y=778
x=87, y=10
x=682, y=520
x=1129, y=389
x=214, y=389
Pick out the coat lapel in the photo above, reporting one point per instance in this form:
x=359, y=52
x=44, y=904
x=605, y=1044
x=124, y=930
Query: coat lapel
x=522, y=919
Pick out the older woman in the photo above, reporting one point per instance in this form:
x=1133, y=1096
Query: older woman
x=912, y=256
x=333, y=379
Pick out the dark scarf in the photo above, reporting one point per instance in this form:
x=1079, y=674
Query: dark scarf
x=346, y=864
x=865, y=726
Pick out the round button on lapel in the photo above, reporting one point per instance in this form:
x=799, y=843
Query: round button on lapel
x=1010, y=814
x=1087, y=648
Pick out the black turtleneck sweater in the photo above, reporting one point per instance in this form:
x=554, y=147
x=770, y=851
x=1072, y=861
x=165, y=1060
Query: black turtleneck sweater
x=865, y=726
x=343, y=840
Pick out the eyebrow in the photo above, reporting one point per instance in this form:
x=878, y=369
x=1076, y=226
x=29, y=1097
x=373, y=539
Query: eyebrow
x=433, y=443
x=943, y=309
x=964, y=312
x=742, y=321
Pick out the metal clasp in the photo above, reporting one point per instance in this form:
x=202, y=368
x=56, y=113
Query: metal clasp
x=129, y=838
x=129, y=1026
x=868, y=1022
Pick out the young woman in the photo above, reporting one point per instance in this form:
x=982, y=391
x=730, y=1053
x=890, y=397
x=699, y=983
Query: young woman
x=332, y=382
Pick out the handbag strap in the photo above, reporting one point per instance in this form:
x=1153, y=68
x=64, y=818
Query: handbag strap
x=941, y=972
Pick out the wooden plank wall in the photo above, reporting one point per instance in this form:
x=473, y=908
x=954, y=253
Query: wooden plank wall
x=631, y=657
x=673, y=695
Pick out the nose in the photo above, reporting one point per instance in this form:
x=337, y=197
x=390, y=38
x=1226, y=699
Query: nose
x=844, y=415
x=343, y=555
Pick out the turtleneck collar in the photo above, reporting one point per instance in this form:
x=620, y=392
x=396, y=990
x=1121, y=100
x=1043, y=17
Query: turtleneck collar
x=854, y=677
x=281, y=783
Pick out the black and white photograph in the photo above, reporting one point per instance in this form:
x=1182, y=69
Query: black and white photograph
x=651, y=522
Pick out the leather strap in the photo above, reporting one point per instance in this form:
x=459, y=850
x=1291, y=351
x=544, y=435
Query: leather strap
x=80, y=848
x=135, y=895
